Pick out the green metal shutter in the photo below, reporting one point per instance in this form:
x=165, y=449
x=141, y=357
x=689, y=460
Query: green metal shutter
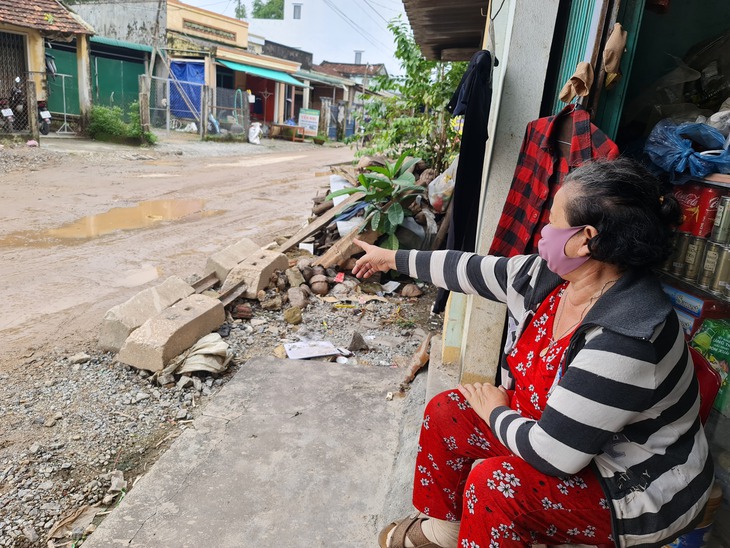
x=65, y=64
x=574, y=48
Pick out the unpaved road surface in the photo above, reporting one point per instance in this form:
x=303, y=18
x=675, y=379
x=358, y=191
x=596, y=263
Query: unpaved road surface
x=73, y=244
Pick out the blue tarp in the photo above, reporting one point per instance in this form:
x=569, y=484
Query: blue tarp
x=186, y=83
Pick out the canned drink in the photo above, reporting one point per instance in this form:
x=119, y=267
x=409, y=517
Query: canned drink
x=721, y=226
x=709, y=264
x=681, y=243
x=688, y=196
x=719, y=282
x=709, y=201
x=693, y=258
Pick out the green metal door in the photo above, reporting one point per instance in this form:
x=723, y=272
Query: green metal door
x=65, y=65
x=115, y=82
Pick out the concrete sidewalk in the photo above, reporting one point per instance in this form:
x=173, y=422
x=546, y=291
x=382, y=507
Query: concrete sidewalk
x=289, y=453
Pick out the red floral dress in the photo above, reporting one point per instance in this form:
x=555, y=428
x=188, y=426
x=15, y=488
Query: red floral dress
x=503, y=501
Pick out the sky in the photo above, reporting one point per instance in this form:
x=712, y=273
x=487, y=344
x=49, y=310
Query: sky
x=361, y=25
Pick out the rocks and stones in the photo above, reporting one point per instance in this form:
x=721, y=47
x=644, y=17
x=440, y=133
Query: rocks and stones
x=411, y=290
x=272, y=303
x=297, y=297
x=293, y=315
x=81, y=357
x=242, y=312
x=294, y=276
x=319, y=284
x=357, y=342
x=426, y=177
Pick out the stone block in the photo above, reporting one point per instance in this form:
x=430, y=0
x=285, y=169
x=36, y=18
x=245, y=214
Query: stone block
x=224, y=260
x=256, y=271
x=121, y=320
x=171, y=332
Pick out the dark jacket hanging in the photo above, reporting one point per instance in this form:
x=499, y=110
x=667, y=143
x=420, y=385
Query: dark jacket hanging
x=472, y=98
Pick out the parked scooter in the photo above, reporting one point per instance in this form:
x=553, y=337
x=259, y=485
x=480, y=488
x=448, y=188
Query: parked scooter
x=8, y=116
x=17, y=98
x=44, y=118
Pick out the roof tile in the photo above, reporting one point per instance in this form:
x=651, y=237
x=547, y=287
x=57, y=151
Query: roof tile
x=44, y=15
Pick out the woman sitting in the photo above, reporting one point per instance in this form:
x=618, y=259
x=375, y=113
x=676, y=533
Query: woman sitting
x=594, y=436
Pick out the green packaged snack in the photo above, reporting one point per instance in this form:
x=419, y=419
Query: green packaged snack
x=713, y=342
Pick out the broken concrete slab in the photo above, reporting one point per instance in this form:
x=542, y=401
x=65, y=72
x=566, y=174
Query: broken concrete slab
x=121, y=320
x=224, y=260
x=171, y=332
x=255, y=271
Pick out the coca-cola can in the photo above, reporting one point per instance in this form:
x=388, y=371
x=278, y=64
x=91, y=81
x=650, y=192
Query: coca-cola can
x=688, y=196
x=706, y=211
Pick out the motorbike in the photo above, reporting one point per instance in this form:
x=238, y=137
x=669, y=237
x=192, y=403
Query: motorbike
x=44, y=118
x=8, y=116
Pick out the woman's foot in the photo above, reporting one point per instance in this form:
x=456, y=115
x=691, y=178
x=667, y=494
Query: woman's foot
x=419, y=532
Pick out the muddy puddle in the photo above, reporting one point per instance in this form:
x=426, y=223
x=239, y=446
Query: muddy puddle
x=143, y=215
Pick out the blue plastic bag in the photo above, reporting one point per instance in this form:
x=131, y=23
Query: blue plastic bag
x=671, y=147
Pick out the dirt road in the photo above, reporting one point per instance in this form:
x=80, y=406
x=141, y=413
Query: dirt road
x=99, y=223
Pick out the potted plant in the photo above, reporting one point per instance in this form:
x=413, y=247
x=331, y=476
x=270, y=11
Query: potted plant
x=387, y=191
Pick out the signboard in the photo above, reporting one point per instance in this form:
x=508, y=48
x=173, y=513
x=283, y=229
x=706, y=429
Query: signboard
x=309, y=120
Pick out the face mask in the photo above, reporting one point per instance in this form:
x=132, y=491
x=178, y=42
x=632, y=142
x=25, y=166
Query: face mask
x=551, y=247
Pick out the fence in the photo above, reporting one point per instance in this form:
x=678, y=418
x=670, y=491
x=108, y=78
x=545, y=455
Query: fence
x=177, y=105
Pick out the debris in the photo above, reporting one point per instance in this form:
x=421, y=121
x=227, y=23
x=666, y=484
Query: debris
x=280, y=351
x=184, y=382
x=224, y=330
x=340, y=277
x=390, y=287
x=32, y=143
x=411, y=290
x=304, y=350
x=30, y=534
x=294, y=276
x=419, y=359
x=371, y=288
x=344, y=248
x=357, y=343
x=389, y=396
x=81, y=357
x=319, y=284
x=293, y=315
x=242, y=312
x=79, y=518
x=211, y=353
x=297, y=297
x=272, y=303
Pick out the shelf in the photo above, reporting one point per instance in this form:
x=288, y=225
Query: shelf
x=691, y=285
x=721, y=180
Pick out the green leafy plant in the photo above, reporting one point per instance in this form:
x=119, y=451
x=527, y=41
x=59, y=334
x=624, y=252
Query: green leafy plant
x=107, y=124
x=387, y=191
x=411, y=115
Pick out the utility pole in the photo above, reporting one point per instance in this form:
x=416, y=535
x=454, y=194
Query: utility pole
x=155, y=38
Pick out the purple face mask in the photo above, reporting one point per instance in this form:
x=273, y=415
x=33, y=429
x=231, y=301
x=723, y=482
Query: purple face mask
x=551, y=247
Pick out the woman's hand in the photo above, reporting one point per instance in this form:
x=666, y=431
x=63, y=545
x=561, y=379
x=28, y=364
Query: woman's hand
x=484, y=398
x=376, y=259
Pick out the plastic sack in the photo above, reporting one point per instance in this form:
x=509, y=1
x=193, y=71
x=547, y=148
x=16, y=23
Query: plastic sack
x=442, y=187
x=254, y=133
x=671, y=147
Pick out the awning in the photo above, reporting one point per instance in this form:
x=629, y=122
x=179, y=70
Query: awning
x=119, y=44
x=262, y=72
x=324, y=79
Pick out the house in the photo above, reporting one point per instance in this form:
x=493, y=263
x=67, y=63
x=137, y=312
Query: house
x=25, y=27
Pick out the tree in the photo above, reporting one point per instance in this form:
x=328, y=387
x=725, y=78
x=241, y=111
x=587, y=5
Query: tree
x=268, y=9
x=241, y=10
x=412, y=117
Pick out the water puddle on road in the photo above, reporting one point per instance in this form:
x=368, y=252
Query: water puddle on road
x=143, y=215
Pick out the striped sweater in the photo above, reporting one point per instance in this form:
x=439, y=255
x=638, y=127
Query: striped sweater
x=627, y=400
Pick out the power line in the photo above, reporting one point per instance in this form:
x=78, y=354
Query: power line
x=368, y=4
x=369, y=37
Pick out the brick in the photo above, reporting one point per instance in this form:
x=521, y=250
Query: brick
x=255, y=271
x=171, y=332
x=121, y=320
x=223, y=261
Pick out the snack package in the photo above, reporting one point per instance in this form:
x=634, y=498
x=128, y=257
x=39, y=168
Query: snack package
x=712, y=340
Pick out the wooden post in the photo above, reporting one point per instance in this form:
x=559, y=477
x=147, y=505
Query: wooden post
x=144, y=102
x=32, y=109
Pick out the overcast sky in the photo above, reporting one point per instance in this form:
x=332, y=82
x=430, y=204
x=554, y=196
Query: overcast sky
x=362, y=24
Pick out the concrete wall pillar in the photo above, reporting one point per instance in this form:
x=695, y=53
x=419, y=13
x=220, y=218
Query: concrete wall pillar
x=518, y=86
x=280, y=103
x=83, y=61
x=305, y=94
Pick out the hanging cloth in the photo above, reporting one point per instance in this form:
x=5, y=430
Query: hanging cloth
x=472, y=98
x=541, y=168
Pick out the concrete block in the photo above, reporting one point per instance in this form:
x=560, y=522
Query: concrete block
x=121, y=320
x=223, y=261
x=255, y=271
x=171, y=332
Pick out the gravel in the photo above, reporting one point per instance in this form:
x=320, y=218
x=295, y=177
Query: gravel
x=75, y=425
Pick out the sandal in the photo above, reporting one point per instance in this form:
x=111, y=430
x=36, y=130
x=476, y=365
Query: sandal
x=409, y=527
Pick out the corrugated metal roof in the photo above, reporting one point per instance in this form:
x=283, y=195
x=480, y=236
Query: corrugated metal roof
x=263, y=72
x=324, y=78
x=120, y=43
x=352, y=68
x=47, y=16
x=447, y=30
